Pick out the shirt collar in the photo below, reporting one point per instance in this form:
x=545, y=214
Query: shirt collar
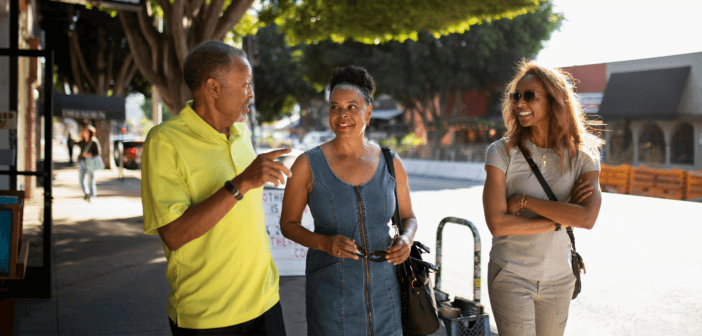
x=200, y=126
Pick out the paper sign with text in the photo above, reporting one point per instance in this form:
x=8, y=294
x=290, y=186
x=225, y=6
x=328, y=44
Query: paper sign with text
x=288, y=255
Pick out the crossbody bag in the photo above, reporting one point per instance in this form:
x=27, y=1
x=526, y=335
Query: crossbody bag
x=577, y=261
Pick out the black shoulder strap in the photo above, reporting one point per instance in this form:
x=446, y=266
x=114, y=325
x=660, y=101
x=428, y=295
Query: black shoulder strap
x=544, y=185
x=396, y=219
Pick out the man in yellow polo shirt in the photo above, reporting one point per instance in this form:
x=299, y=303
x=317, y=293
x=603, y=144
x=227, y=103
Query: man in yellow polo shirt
x=202, y=193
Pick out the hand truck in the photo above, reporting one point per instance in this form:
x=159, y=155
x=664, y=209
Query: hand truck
x=462, y=317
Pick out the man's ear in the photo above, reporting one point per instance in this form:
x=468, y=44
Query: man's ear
x=212, y=87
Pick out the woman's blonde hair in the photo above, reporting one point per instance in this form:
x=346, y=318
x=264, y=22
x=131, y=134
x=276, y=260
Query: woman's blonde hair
x=568, y=126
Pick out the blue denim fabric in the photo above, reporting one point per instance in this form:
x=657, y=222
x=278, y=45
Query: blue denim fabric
x=88, y=185
x=346, y=296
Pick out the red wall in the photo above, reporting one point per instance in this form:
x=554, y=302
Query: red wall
x=589, y=78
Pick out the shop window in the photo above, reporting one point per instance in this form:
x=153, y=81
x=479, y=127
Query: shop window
x=682, y=146
x=621, y=149
x=652, y=145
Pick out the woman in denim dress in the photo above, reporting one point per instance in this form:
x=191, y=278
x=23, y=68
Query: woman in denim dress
x=351, y=196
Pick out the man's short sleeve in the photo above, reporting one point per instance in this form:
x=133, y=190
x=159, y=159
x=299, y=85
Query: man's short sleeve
x=497, y=156
x=589, y=160
x=164, y=194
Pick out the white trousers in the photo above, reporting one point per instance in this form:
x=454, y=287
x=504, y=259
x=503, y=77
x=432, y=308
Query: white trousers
x=524, y=307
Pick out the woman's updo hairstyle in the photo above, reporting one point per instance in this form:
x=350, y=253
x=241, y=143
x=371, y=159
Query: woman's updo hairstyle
x=356, y=76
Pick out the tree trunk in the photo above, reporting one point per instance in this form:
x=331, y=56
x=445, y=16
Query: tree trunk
x=159, y=55
x=104, y=136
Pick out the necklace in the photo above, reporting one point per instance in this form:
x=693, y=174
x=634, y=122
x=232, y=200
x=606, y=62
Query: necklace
x=543, y=154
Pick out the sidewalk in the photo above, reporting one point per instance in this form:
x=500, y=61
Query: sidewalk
x=109, y=277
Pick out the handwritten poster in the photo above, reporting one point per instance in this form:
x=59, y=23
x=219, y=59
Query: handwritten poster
x=289, y=256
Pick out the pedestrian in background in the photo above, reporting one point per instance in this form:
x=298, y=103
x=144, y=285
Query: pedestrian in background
x=530, y=279
x=202, y=189
x=89, y=147
x=70, y=143
x=351, y=196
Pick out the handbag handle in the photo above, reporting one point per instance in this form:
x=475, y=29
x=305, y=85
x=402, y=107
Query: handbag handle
x=396, y=219
x=546, y=187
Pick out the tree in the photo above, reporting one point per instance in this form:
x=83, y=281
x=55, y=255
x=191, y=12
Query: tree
x=373, y=21
x=159, y=55
x=98, y=60
x=280, y=80
x=425, y=74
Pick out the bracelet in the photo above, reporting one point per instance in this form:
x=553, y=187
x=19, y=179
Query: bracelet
x=523, y=202
x=558, y=227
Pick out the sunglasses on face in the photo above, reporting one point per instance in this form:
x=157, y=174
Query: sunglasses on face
x=528, y=96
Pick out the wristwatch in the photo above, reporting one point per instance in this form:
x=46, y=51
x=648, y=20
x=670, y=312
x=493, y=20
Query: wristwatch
x=233, y=190
x=558, y=227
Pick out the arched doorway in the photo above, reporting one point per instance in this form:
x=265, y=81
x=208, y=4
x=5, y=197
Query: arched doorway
x=621, y=146
x=683, y=146
x=652, y=145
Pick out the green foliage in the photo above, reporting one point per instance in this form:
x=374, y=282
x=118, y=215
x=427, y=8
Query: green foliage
x=279, y=78
x=481, y=56
x=408, y=143
x=376, y=21
x=147, y=108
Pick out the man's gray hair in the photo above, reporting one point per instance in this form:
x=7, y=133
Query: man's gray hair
x=210, y=59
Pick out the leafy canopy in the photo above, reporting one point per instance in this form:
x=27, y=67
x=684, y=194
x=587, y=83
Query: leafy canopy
x=376, y=21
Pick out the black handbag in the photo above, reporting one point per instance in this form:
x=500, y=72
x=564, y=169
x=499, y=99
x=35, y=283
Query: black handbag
x=419, y=313
x=577, y=261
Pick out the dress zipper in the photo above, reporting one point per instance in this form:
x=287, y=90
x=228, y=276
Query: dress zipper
x=365, y=262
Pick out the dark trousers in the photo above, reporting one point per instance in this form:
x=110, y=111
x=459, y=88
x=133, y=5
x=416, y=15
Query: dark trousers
x=268, y=324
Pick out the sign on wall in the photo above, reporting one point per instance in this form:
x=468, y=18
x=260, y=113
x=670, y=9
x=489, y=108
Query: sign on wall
x=85, y=106
x=288, y=255
x=591, y=101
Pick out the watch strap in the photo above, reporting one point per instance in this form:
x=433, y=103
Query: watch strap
x=233, y=190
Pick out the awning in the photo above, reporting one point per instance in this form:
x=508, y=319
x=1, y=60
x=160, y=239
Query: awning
x=650, y=94
x=89, y=107
x=385, y=114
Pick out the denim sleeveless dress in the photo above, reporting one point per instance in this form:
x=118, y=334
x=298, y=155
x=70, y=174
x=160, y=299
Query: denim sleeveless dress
x=346, y=296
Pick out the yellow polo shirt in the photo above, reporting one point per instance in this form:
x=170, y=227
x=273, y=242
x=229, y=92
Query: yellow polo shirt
x=227, y=276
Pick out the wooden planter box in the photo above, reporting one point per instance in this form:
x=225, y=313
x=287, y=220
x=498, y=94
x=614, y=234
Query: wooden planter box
x=13, y=250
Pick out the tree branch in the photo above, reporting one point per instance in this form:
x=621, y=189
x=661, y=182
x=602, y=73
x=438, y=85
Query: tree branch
x=130, y=75
x=176, y=32
x=110, y=65
x=76, y=51
x=138, y=48
x=147, y=28
x=195, y=6
x=231, y=16
x=100, y=89
x=209, y=22
x=120, y=80
x=77, y=81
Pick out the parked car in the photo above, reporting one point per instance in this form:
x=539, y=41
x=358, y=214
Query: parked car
x=132, y=154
